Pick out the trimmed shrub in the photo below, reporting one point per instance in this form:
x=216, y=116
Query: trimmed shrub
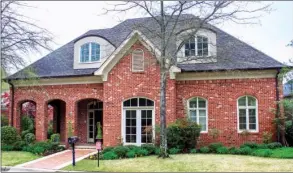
x=27, y=124
x=234, y=150
x=249, y=144
x=4, y=120
x=157, y=151
x=262, y=146
x=7, y=148
x=38, y=150
x=23, y=133
x=9, y=135
x=222, y=150
x=214, y=146
x=18, y=145
x=193, y=151
x=141, y=152
x=55, y=138
x=132, y=147
x=183, y=134
x=43, y=148
x=204, y=150
x=130, y=154
x=29, y=138
x=174, y=150
x=289, y=132
x=110, y=155
x=149, y=147
x=274, y=145
x=107, y=149
x=245, y=151
x=262, y=152
x=50, y=130
x=120, y=151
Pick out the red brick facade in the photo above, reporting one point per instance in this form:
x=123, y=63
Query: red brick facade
x=123, y=84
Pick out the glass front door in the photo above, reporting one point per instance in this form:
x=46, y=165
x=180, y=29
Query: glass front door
x=94, y=116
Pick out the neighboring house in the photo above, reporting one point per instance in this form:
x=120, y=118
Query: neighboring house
x=110, y=76
x=288, y=89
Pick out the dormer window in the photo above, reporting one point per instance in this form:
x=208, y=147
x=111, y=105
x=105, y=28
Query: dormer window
x=197, y=46
x=89, y=52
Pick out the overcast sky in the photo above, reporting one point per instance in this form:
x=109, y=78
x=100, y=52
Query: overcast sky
x=69, y=19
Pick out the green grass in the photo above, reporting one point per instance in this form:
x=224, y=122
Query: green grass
x=12, y=158
x=188, y=163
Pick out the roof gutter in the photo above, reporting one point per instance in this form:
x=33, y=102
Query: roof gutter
x=11, y=102
x=278, y=99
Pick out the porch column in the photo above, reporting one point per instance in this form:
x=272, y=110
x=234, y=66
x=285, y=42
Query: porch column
x=16, y=116
x=71, y=118
x=41, y=121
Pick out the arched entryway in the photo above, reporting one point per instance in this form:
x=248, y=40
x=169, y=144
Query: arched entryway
x=89, y=113
x=56, y=118
x=27, y=113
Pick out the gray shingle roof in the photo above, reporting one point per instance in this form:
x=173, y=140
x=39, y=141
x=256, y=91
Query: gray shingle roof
x=231, y=52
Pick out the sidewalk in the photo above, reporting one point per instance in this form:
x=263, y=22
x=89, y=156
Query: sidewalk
x=55, y=161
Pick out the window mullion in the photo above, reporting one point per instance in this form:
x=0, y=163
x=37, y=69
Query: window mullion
x=138, y=127
x=90, y=52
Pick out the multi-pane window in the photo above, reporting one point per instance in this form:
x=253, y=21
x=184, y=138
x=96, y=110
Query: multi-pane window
x=84, y=52
x=197, y=46
x=247, y=113
x=90, y=52
x=138, y=121
x=190, y=47
x=202, y=46
x=137, y=60
x=197, y=108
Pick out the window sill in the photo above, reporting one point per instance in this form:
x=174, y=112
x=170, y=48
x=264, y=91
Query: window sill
x=89, y=62
x=249, y=131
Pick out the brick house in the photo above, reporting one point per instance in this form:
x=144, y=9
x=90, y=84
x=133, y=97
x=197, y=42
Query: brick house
x=111, y=76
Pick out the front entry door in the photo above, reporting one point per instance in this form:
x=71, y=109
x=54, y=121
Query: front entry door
x=94, y=116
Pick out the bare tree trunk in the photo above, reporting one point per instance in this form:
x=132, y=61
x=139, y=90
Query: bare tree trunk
x=163, y=130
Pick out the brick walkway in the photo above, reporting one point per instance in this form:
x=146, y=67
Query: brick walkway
x=58, y=160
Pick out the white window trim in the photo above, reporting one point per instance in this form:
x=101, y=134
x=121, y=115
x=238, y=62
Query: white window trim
x=197, y=112
x=90, y=53
x=142, y=61
x=138, y=121
x=195, y=42
x=246, y=107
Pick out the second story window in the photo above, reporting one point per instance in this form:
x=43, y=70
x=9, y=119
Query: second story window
x=90, y=52
x=197, y=46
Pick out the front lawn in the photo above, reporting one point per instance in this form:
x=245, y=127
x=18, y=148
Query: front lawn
x=188, y=163
x=12, y=158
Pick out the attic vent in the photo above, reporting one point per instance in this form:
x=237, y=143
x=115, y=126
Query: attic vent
x=137, y=60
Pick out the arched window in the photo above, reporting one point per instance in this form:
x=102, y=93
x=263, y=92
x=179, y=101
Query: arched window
x=138, y=121
x=197, y=110
x=90, y=52
x=247, y=114
x=137, y=60
x=197, y=46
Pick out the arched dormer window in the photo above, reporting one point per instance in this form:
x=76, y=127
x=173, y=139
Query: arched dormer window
x=197, y=46
x=247, y=114
x=137, y=60
x=90, y=52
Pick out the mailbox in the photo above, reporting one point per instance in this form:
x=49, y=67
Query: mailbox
x=73, y=140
